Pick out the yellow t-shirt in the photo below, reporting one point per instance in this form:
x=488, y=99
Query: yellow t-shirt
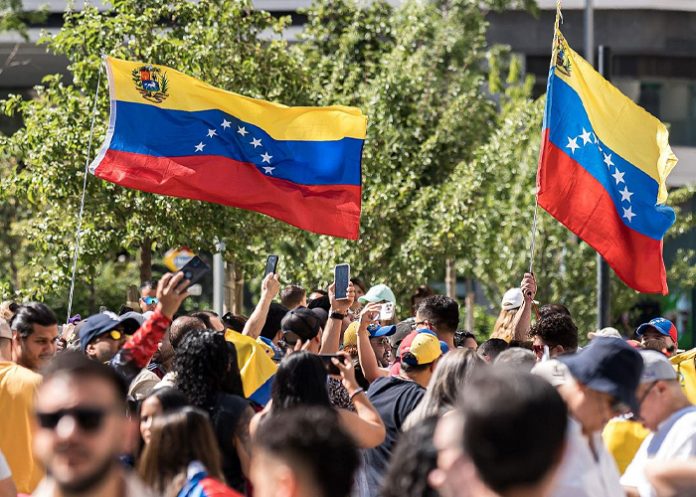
x=18, y=387
x=622, y=439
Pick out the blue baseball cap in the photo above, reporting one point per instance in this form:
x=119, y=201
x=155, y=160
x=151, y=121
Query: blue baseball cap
x=661, y=325
x=381, y=331
x=98, y=324
x=608, y=365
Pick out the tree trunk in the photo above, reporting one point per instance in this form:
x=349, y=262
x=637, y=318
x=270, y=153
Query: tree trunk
x=146, y=260
x=451, y=278
x=469, y=302
x=235, y=289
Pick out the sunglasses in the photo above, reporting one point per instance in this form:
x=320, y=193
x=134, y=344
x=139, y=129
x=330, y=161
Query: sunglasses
x=150, y=300
x=115, y=335
x=89, y=419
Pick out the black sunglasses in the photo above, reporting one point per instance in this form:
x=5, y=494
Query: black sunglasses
x=89, y=419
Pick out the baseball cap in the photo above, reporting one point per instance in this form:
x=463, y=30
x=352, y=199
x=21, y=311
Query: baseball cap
x=350, y=336
x=419, y=349
x=378, y=293
x=512, y=299
x=381, y=331
x=5, y=331
x=98, y=324
x=300, y=323
x=605, y=332
x=656, y=367
x=610, y=366
x=662, y=325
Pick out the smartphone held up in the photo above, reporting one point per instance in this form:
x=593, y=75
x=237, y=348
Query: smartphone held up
x=341, y=281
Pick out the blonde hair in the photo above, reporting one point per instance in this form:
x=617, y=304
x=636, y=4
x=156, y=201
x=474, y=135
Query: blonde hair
x=503, y=328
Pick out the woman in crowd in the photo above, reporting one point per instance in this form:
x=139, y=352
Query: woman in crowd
x=182, y=458
x=452, y=372
x=301, y=380
x=207, y=373
x=157, y=403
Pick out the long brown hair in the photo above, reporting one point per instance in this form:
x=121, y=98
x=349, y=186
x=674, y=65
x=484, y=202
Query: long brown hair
x=178, y=438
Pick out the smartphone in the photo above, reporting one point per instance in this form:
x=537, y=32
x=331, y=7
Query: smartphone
x=331, y=368
x=386, y=313
x=194, y=270
x=271, y=265
x=341, y=281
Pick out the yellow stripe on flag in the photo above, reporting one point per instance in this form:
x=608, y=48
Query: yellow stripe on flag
x=281, y=122
x=625, y=127
x=255, y=366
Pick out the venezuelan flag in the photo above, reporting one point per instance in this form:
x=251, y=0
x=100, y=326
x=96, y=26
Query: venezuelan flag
x=256, y=367
x=602, y=170
x=174, y=135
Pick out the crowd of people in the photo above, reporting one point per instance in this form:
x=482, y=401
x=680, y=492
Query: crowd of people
x=316, y=396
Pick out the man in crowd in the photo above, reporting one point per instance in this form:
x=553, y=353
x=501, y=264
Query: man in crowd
x=394, y=397
x=293, y=296
x=597, y=383
x=103, y=334
x=659, y=334
x=303, y=453
x=506, y=439
x=441, y=315
x=491, y=349
x=35, y=329
x=18, y=387
x=148, y=296
x=82, y=428
x=665, y=410
x=557, y=332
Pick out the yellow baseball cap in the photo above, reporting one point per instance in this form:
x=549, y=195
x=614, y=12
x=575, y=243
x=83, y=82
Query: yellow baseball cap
x=419, y=349
x=350, y=336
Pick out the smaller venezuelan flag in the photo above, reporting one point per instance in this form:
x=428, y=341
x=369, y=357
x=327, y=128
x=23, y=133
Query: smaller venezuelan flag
x=174, y=135
x=602, y=170
x=256, y=367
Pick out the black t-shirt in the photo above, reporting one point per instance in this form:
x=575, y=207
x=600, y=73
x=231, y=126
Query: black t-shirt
x=394, y=399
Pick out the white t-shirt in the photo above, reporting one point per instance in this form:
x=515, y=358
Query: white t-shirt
x=5, y=472
x=675, y=438
x=581, y=473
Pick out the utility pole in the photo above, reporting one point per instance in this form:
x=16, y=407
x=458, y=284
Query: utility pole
x=219, y=278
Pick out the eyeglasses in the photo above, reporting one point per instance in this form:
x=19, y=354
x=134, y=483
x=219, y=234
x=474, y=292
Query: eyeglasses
x=89, y=419
x=150, y=300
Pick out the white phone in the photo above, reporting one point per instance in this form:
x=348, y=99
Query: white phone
x=386, y=313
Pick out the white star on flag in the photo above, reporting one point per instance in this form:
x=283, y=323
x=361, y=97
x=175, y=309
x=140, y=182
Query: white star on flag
x=266, y=158
x=225, y=124
x=618, y=176
x=625, y=194
x=586, y=137
x=268, y=170
x=628, y=213
x=572, y=144
x=595, y=138
x=607, y=160
x=256, y=142
x=200, y=146
x=211, y=133
x=242, y=130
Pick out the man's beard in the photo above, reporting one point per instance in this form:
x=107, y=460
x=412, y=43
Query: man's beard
x=89, y=481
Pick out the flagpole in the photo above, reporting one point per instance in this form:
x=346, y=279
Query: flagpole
x=532, y=244
x=78, y=232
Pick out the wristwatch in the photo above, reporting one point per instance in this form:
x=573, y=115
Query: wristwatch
x=337, y=315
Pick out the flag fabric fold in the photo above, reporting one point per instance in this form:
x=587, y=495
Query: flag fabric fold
x=603, y=168
x=174, y=135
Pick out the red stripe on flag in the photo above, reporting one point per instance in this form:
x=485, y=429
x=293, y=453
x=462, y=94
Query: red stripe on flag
x=576, y=199
x=326, y=209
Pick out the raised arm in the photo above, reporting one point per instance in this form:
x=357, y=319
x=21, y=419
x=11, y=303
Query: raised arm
x=331, y=337
x=523, y=318
x=366, y=355
x=365, y=424
x=269, y=289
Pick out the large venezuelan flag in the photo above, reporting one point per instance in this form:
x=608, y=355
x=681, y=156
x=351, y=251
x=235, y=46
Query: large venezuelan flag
x=602, y=170
x=174, y=135
x=255, y=366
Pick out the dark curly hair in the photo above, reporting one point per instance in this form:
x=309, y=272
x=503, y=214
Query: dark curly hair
x=412, y=461
x=206, y=365
x=300, y=381
x=557, y=329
